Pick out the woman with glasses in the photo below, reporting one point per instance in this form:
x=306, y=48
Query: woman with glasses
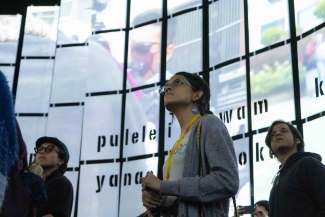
x=53, y=156
x=200, y=174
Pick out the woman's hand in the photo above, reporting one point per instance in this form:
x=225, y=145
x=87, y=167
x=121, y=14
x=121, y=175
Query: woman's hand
x=150, y=199
x=151, y=182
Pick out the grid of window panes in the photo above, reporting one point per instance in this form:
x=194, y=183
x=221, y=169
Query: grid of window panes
x=88, y=73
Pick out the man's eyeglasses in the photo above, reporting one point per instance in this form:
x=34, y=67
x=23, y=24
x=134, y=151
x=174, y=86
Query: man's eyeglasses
x=46, y=149
x=143, y=48
x=173, y=84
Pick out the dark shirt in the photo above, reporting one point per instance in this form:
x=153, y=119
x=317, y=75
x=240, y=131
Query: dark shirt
x=299, y=190
x=60, y=196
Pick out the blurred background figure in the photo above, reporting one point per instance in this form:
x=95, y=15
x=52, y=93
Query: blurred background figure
x=13, y=154
x=8, y=135
x=261, y=209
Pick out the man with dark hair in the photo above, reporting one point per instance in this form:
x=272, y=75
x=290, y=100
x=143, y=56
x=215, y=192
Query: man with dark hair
x=145, y=45
x=53, y=156
x=298, y=188
x=261, y=209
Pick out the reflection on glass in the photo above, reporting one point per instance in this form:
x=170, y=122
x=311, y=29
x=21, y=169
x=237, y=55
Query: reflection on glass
x=265, y=168
x=109, y=14
x=144, y=55
x=34, y=86
x=180, y=5
x=186, y=52
x=41, y=31
x=308, y=14
x=243, y=196
x=311, y=51
x=145, y=10
x=268, y=22
x=99, y=200
x=9, y=34
x=141, y=122
x=130, y=205
x=75, y=21
x=272, y=87
x=105, y=62
x=313, y=136
x=9, y=73
x=172, y=131
x=228, y=97
x=66, y=124
x=227, y=39
x=32, y=128
x=101, y=127
x=69, y=79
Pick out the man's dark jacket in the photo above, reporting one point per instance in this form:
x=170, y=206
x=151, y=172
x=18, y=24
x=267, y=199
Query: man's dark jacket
x=299, y=187
x=60, y=196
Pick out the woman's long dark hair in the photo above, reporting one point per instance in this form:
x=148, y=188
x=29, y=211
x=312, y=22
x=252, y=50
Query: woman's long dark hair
x=198, y=83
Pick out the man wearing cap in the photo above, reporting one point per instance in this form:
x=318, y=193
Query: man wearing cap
x=53, y=156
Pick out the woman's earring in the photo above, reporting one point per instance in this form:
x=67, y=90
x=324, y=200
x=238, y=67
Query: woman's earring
x=195, y=110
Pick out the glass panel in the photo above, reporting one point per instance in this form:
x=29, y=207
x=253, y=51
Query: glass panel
x=243, y=196
x=101, y=127
x=105, y=66
x=180, y=5
x=172, y=130
x=95, y=199
x=69, y=81
x=34, y=86
x=308, y=14
x=108, y=14
x=32, y=128
x=268, y=23
x=130, y=204
x=313, y=136
x=311, y=51
x=9, y=34
x=141, y=122
x=265, y=168
x=272, y=87
x=184, y=51
x=226, y=20
x=144, y=57
x=41, y=31
x=228, y=97
x=145, y=10
x=9, y=73
x=75, y=21
x=65, y=123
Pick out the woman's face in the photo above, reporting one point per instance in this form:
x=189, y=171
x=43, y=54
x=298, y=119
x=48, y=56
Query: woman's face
x=178, y=92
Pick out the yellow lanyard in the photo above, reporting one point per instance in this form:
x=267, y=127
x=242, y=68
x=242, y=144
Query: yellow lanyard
x=178, y=142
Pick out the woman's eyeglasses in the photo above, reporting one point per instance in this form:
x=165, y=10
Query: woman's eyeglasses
x=46, y=149
x=173, y=84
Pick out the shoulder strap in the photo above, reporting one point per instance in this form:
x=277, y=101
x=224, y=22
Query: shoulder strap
x=198, y=137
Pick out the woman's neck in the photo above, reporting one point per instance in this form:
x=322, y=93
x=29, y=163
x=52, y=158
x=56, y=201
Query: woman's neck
x=184, y=119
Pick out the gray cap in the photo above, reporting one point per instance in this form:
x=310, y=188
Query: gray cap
x=55, y=141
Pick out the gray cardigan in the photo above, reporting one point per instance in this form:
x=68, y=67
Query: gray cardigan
x=220, y=179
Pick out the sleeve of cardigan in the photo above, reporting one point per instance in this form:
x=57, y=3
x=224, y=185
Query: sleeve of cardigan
x=222, y=181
